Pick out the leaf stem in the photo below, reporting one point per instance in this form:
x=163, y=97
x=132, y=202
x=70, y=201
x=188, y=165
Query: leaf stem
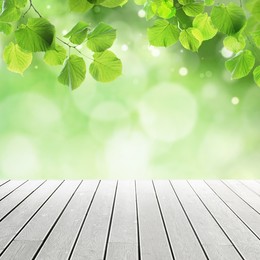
x=34, y=8
x=74, y=47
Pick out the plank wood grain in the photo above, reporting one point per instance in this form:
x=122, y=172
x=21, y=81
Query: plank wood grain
x=154, y=244
x=130, y=220
x=61, y=240
x=184, y=241
x=16, y=197
x=252, y=185
x=2, y=182
x=212, y=237
x=93, y=236
x=245, y=194
x=18, y=218
x=21, y=247
x=243, y=239
x=249, y=216
x=123, y=241
x=9, y=187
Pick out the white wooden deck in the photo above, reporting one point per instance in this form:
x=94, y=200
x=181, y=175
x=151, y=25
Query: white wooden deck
x=119, y=220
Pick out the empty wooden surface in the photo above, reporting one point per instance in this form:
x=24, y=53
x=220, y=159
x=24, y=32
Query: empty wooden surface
x=130, y=220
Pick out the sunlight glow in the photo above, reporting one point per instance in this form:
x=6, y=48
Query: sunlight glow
x=141, y=13
x=226, y=53
x=235, y=100
x=168, y=112
x=127, y=154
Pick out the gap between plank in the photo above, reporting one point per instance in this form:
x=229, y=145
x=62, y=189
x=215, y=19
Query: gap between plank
x=204, y=251
x=164, y=224
x=110, y=222
x=21, y=201
x=1, y=253
x=233, y=211
x=83, y=222
x=217, y=222
x=137, y=225
x=56, y=221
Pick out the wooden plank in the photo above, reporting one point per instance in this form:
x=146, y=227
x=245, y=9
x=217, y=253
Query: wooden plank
x=183, y=239
x=2, y=182
x=123, y=241
x=61, y=240
x=37, y=229
x=252, y=185
x=16, y=197
x=243, y=239
x=153, y=239
x=9, y=187
x=93, y=236
x=212, y=237
x=245, y=194
x=249, y=216
x=16, y=220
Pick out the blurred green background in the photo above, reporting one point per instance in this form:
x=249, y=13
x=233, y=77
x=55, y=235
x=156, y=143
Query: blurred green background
x=172, y=114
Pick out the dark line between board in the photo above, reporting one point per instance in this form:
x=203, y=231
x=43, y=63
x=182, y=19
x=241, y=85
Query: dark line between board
x=240, y=197
x=250, y=188
x=233, y=211
x=110, y=222
x=4, y=183
x=13, y=190
x=192, y=227
x=137, y=224
x=163, y=221
x=83, y=222
x=21, y=201
x=20, y=230
x=56, y=221
x=217, y=223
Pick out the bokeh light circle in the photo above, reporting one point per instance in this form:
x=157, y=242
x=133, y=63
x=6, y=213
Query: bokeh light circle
x=168, y=112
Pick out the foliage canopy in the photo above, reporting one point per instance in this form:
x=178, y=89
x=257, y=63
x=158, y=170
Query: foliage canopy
x=190, y=22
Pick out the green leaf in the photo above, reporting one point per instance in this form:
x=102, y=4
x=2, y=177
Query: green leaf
x=78, y=33
x=113, y=3
x=56, y=56
x=36, y=35
x=184, y=21
x=163, y=33
x=256, y=38
x=163, y=8
x=101, y=38
x=106, y=66
x=191, y=39
x=204, y=24
x=10, y=11
x=6, y=28
x=241, y=64
x=209, y=2
x=149, y=12
x=20, y=3
x=140, y=2
x=96, y=2
x=193, y=9
x=234, y=44
x=80, y=6
x=256, y=74
x=73, y=72
x=185, y=2
x=256, y=10
x=228, y=19
x=17, y=59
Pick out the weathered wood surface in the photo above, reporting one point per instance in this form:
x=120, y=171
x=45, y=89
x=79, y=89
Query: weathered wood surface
x=130, y=220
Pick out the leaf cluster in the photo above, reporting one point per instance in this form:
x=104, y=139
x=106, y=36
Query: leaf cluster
x=189, y=22
x=33, y=35
x=192, y=22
